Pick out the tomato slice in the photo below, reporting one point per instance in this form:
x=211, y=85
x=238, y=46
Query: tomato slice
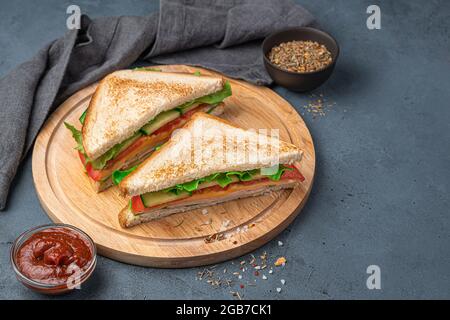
x=82, y=158
x=293, y=174
x=176, y=123
x=94, y=174
x=169, y=126
x=137, y=205
x=189, y=114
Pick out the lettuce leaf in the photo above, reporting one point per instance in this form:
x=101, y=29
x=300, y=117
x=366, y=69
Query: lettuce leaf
x=77, y=135
x=158, y=147
x=212, y=177
x=191, y=185
x=244, y=175
x=211, y=109
x=222, y=179
x=100, y=162
x=119, y=175
x=213, y=98
x=277, y=176
x=83, y=117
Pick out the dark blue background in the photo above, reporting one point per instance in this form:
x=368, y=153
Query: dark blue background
x=381, y=194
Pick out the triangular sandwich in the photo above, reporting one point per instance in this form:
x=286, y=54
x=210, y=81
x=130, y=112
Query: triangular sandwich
x=208, y=161
x=133, y=111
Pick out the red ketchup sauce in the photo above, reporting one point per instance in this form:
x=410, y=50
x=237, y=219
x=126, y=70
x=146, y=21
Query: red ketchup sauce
x=52, y=255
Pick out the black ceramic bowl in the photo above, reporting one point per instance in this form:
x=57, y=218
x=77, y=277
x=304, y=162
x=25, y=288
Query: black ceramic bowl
x=293, y=80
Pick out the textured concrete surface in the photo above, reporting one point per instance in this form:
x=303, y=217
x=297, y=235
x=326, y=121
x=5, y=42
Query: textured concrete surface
x=382, y=188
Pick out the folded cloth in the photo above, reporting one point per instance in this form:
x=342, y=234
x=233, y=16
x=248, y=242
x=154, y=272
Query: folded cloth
x=222, y=35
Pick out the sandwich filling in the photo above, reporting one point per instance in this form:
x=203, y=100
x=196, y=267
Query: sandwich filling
x=145, y=140
x=215, y=185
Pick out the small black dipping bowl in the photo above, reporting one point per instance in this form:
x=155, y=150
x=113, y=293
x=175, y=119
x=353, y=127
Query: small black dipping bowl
x=296, y=81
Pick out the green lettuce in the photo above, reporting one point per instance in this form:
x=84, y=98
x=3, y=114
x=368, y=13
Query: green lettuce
x=77, y=135
x=119, y=175
x=100, y=162
x=83, y=117
x=277, y=176
x=190, y=186
x=210, y=110
x=224, y=179
x=213, y=98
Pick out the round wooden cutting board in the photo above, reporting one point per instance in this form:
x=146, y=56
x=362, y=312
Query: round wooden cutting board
x=184, y=239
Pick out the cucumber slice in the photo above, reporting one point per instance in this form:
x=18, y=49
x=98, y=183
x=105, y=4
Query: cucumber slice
x=188, y=108
x=159, y=197
x=155, y=198
x=160, y=120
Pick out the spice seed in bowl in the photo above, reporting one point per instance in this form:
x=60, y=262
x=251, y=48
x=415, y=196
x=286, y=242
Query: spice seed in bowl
x=300, y=56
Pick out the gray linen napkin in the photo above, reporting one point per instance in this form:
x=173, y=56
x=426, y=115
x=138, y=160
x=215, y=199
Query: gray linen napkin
x=222, y=35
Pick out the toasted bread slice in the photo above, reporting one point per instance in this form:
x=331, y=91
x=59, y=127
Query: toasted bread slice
x=100, y=186
x=204, y=146
x=126, y=100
